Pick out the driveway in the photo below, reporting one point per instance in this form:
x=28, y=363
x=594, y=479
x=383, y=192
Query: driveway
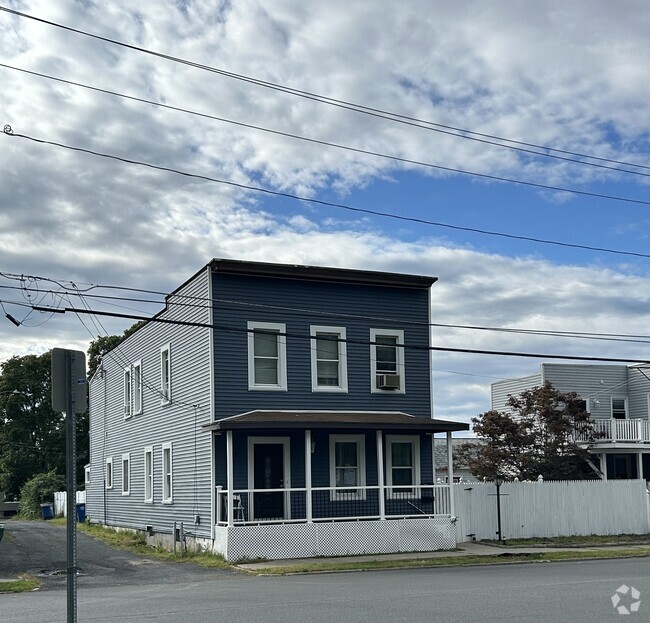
x=39, y=549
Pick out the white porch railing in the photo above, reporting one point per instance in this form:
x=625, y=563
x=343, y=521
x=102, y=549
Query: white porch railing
x=613, y=430
x=269, y=506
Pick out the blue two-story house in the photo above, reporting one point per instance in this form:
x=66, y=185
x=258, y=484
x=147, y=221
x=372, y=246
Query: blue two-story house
x=275, y=411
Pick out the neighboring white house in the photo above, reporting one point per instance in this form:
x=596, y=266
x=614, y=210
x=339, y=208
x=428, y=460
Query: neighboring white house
x=618, y=399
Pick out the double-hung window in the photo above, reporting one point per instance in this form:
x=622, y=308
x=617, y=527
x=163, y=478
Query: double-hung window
x=619, y=407
x=402, y=465
x=167, y=477
x=347, y=467
x=148, y=474
x=387, y=360
x=108, y=474
x=328, y=359
x=165, y=374
x=267, y=356
x=126, y=474
x=136, y=387
x=127, y=393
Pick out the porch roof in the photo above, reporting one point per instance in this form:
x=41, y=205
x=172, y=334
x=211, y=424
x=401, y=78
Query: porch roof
x=373, y=420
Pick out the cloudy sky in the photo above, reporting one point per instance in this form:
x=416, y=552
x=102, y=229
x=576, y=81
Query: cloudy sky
x=446, y=82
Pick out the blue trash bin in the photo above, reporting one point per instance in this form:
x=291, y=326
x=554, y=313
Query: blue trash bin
x=47, y=511
x=81, y=512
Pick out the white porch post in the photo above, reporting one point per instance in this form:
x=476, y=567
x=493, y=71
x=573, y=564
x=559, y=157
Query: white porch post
x=308, y=500
x=229, y=476
x=433, y=457
x=639, y=465
x=603, y=465
x=380, y=475
x=450, y=473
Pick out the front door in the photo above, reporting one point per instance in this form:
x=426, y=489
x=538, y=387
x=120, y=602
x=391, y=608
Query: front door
x=268, y=473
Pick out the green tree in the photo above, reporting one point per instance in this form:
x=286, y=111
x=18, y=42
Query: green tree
x=535, y=436
x=105, y=343
x=37, y=490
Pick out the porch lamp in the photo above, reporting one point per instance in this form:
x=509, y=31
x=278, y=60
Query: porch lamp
x=498, y=481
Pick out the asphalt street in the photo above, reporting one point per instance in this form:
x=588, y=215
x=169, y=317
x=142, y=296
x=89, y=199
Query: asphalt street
x=580, y=592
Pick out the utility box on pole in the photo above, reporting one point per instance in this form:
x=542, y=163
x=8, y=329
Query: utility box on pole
x=69, y=395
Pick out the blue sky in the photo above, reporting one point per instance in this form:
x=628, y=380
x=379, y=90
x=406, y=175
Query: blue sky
x=571, y=76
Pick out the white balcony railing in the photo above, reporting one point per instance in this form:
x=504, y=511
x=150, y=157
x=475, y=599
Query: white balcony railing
x=263, y=506
x=613, y=430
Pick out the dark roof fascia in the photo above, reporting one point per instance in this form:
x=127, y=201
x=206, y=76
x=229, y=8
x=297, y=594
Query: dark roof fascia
x=321, y=273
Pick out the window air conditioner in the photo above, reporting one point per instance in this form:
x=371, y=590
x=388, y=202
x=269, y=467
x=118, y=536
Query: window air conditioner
x=388, y=381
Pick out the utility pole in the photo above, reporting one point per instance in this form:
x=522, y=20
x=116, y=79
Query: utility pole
x=69, y=395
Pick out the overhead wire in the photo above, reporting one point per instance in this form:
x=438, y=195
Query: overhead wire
x=516, y=145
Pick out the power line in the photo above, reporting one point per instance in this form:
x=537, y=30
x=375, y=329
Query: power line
x=278, y=132
x=230, y=329
x=9, y=132
x=367, y=110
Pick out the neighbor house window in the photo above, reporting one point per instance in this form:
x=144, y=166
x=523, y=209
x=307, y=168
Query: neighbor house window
x=165, y=374
x=328, y=359
x=108, y=475
x=167, y=473
x=136, y=387
x=127, y=392
x=402, y=465
x=126, y=474
x=267, y=356
x=387, y=360
x=347, y=467
x=148, y=474
x=619, y=407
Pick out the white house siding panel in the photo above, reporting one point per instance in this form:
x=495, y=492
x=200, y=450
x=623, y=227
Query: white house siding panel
x=547, y=509
x=638, y=391
x=178, y=423
x=512, y=387
x=598, y=383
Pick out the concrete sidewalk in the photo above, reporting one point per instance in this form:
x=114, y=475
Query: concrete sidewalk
x=464, y=550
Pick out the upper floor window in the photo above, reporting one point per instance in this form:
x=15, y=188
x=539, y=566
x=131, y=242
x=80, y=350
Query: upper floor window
x=127, y=392
x=136, y=387
x=267, y=356
x=387, y=360
x=165, y=374
x=328, y=359
x=619, y=407
x=402, y=465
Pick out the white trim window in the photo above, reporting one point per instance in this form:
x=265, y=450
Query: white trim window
x=387, y=361
x=348, y=467
x=126, y=474
x=148, y=474
x=136, y=387
x=267, y=356
x=108, y=473
x=329, y=369
x=167, y=474
x=128, y=411
x=619, y=407
x=87, y=475
x=165, y=374
x=402, y=465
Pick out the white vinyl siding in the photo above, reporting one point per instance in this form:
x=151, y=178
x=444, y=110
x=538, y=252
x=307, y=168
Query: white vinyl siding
x=387, y=357
x=126, y=474
x=167, y=473
x=148, y=474
x=402, y=465
x=165, y=374
x=347, y=466
x=267, y=356
x=328, y=359
x=136, y=387
x=108, y=474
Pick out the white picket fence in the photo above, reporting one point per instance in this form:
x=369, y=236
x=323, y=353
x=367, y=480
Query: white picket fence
x=561, y=508
x=60, y=502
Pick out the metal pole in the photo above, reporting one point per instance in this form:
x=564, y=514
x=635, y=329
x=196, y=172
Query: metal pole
x=498, y=484
x=71, y=478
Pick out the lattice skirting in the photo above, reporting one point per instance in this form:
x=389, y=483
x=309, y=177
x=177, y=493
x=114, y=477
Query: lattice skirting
x=345, y=538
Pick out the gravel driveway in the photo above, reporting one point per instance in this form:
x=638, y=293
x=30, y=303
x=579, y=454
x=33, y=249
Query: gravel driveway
x=39, y=548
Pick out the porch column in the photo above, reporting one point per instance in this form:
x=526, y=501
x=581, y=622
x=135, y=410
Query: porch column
x=639, y=465
x=229, y=476
x=433, y=457
x=380, y=475
x=450, y=474
x=308, y=500
x=603, y=465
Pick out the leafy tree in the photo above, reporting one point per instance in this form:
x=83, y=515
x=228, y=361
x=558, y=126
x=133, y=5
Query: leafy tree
x=105, y=343
x=535, y=436
x=38, y=490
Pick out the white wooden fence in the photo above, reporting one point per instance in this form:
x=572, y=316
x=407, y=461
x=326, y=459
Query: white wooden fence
x=60, y=502
x=561, y=508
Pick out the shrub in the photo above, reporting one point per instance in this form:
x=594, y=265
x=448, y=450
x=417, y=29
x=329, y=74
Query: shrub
x=38, y=490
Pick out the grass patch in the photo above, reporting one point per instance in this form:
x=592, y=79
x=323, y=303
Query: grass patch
x=136, y=543
x=446, y=561
x=24, y=584
x=579, y=541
